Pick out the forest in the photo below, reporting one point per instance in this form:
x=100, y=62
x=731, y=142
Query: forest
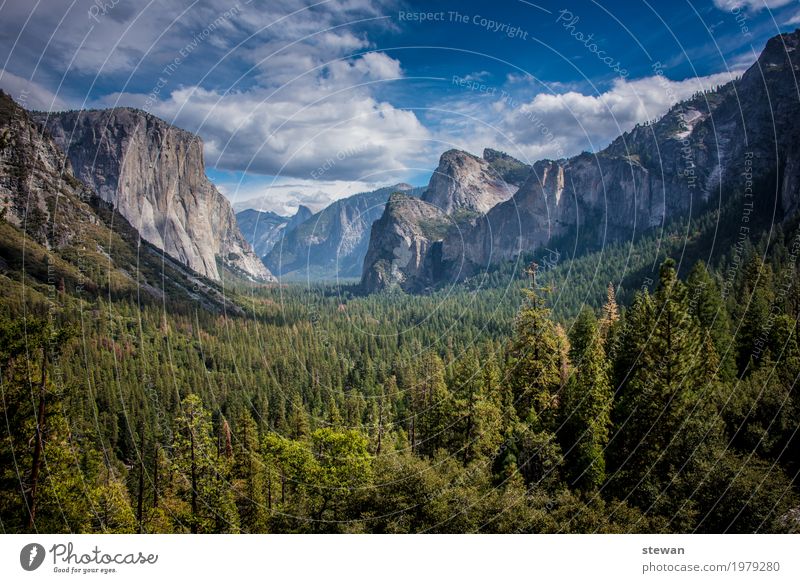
x=537, y=400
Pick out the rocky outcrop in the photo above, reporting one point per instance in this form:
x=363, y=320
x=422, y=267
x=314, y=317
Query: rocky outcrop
x=507, y=167
x=333, y=242
x=401, y=245
x=466, y=183
x=34, y=174
x=154, y=176
x=461, y=190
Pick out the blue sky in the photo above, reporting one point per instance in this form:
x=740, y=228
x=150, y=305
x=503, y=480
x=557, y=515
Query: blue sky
x=303, y=102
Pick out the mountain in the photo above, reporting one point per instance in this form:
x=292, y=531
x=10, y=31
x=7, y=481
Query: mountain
x=57, y=235
x=738, y=139
x=461, y=190
x=507, y=167
x=263, y=229
x=302, y=215
x=401, y=242
x=333, y=242
x=154, y=176
x=260, y=228
x=463, y=182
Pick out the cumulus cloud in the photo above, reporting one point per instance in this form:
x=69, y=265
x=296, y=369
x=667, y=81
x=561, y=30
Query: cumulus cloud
x=564, y=124
x=297, y=90
x=277, y=87
x=324, y=127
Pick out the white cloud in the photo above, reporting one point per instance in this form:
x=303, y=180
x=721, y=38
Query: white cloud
x=322, y=127
x=300, y=88
x=564, y=124
x=754, y=5
x=29, y=94
x=311, y=109
x=284, y=195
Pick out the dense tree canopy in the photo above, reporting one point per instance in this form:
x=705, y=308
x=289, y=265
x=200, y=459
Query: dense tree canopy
x=561, y=404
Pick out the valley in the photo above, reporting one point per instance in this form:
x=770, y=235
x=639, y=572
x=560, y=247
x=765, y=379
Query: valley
x=605, y=343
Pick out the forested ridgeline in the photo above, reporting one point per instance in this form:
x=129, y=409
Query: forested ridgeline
x=468, y=410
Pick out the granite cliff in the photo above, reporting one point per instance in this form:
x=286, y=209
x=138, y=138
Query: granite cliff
x=154, y=175
x=57, y=235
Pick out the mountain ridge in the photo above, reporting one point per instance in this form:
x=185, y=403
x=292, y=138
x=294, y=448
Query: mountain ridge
x=333, y=242
x=701, y=150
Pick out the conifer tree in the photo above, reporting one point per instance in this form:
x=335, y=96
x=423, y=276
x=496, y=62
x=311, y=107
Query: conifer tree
x=668, y=423
x=249, y=473
x=586, y=406
x=536, y=370
x=610, y=312
x=755, y=298
x=431, y=406
x=535, y=361
x=707, y=305
x=477, y=416
x=204, y=474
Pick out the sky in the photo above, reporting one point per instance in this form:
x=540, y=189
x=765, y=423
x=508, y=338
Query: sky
x=303, y=102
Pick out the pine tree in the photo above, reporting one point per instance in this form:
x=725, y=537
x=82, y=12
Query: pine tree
x=477, y=416
x=755, y=298
x=610, y=312
x=667, y=418
x=535, y=361
x=204, y=473
x=431, y=406
x=249, y=477
x=707, y=305
x=586, y=406
x=536, y=369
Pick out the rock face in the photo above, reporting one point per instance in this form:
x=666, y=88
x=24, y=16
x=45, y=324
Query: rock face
x=466, y=183
x=301, y=216
x=738, y=139
x=33, y=172
x=333, y=242
x=400, y=246
x=406, y=243
x=154, y=175
x=57, y=234
x=261, y=228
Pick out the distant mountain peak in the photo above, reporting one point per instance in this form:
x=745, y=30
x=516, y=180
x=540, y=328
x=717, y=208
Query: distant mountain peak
x=332, y=243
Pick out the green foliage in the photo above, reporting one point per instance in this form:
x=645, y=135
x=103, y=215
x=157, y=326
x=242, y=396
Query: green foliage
x=466, y=410
x=536, y=363
x=202, y=471
x=586, y=406
x=668, y=422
